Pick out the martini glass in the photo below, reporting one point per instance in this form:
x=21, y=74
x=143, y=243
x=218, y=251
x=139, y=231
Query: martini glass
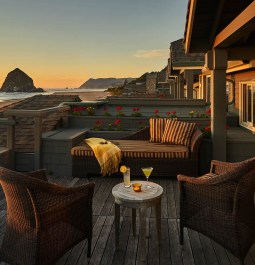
x=147, y=172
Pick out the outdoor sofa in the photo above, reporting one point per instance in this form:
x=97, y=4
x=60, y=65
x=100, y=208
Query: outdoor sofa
x=139, y=151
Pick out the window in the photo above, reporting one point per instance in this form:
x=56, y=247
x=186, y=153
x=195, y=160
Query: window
x=247, y=110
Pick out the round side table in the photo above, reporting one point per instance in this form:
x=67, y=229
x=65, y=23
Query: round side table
x=147, y=197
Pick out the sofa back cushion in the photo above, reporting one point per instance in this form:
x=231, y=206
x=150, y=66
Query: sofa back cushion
x=178, y=132
x=157, y=127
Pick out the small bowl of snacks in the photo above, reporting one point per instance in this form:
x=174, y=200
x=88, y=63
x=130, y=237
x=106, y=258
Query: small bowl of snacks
x=137, y=187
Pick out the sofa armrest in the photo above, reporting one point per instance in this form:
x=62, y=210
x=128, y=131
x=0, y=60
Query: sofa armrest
x=195, y=143
x=143, y=134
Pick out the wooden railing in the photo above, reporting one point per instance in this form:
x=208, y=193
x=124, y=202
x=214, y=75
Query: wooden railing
x=12, y=114
x=8, y=152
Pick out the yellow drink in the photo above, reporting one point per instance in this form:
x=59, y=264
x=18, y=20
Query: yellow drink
x=147, y=171
x=126, y=178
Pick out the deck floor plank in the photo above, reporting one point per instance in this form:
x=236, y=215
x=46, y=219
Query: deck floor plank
x=197, y=249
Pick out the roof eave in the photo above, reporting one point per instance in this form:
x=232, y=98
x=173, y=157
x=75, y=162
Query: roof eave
x=189, y=24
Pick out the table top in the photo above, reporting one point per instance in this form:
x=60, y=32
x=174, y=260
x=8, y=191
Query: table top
x=146, y=193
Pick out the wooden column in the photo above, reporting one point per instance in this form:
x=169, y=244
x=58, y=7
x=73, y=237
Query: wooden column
x=208, y=90
x=203, y=86
x=181, y=88
x=218, y=104
x=189, y=77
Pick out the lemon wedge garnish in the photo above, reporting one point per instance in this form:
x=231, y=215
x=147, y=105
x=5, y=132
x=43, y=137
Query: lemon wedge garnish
x=123, y=169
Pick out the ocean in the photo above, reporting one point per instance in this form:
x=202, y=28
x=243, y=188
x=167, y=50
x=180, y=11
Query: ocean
x=20, y=95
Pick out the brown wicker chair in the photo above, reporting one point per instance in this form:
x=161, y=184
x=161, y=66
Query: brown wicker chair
x=44, y=220
x=220, y=205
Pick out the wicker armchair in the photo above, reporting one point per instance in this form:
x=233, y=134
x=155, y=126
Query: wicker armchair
x=220, y=205
x=44, y=220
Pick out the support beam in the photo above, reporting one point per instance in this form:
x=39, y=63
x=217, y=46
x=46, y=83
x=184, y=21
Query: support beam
x=238, y=28
x=191, y=15
x=216, y=21
x=218, y=104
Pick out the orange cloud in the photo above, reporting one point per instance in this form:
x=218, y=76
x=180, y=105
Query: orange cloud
x=163, y=53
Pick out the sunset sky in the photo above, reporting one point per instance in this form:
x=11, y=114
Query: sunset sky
x=62, y=43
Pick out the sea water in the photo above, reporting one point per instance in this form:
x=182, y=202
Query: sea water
x=22, y=95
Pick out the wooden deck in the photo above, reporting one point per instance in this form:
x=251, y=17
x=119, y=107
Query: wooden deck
x=197, y=250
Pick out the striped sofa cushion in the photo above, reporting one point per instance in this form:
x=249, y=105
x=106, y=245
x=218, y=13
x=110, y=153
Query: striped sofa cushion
x=139, y=149
x=157, y=127
x=178, y=132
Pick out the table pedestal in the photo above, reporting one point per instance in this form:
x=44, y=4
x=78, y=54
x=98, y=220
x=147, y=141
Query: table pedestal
x=141, y=203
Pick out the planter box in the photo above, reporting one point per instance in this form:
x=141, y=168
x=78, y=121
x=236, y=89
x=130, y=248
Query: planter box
x=108, y=135
x=127, y=123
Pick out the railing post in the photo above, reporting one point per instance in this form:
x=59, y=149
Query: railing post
x=11, y=140
x=37, y=143
x=64, y=114
x=11, y=133
x=37, y=114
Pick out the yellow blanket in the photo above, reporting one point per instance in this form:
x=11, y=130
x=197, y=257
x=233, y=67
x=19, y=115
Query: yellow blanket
x=107, y=154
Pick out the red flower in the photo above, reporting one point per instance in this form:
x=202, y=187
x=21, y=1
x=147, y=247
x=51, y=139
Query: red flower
x=117, y=122
x=75, y=109
x=99, y=122
x=118, y=108
x=174, y=112
x=156, y=111
x=208, y=129
x=168, y=113
x=208, y=112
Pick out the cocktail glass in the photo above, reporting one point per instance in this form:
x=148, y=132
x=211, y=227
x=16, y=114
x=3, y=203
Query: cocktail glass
x=147, y=172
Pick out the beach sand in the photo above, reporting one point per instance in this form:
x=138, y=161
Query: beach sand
x=84, y=96
x=87, y=96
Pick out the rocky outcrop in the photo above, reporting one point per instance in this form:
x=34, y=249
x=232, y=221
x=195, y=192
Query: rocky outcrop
x=18, y=81
x=105, y=82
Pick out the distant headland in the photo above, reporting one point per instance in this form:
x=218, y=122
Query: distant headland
x=105, y=82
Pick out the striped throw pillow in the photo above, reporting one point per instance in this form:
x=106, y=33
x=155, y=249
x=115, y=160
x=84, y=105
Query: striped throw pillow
x=178, y=132
x=157, y=127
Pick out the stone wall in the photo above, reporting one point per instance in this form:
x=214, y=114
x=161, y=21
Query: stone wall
x=151, y=83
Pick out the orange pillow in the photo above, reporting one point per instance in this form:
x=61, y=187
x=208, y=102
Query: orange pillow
x=178, y=132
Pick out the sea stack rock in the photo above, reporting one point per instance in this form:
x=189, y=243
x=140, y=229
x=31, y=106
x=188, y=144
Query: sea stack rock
x=18, y=81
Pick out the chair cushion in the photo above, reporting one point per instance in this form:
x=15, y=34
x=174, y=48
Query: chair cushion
x=139, y=149
x=157, y=127
x=178, y=132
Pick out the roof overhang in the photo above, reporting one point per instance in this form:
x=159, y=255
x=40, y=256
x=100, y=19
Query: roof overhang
x=221, y=24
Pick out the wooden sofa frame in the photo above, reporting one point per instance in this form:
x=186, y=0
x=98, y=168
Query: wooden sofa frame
x=83, y=166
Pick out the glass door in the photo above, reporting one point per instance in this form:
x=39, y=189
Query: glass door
x=248, y=105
